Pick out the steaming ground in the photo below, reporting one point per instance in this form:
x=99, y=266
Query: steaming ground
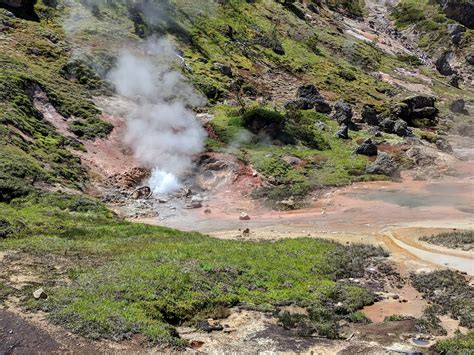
x=162, y=129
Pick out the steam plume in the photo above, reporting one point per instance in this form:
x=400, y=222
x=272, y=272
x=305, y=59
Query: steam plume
x=161, y=129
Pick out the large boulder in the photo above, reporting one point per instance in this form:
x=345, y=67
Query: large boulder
x=369, y=115
x=458, y=106
x=416, y=109
x=461, y=11
x=343, y=113
x=367, y=148
x=343, y=132
x=456, y=31
x=384, y=164
x=443, y=66
x=307, y=98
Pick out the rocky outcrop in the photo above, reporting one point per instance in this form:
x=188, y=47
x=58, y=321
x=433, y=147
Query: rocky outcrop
x=367, y=148
x=418, y=111
x=456, y=31
x=307, y=98
x=384, y=164
x=459, y=10
x=369, y=115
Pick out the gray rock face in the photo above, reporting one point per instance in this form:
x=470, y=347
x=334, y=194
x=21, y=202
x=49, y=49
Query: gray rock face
x=384, y=164
x=461, y=11
x=367, y=148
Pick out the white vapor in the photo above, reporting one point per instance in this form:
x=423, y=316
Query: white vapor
x=162, y=129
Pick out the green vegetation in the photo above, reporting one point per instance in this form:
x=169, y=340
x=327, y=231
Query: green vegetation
x=132, y=278
x=460, y=344
x=450, y=291
x=456, y=240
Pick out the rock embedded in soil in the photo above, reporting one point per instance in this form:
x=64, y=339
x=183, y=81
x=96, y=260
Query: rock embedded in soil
x=384, y=164
x=244, y=216
x=40, y=294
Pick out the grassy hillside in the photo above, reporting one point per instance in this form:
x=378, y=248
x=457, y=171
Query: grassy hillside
x=110, y=279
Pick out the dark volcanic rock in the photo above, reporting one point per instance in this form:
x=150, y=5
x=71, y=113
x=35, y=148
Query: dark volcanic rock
x=205, y=326
x=470, y=58
x=458, y=106
x=384, y=164
x=369, y=115
x=367, y=148
x=443, y=66
x=224, y=69
x=461, y=11
x=454, y=80
x=419, y=107
x=456, y=31
x=308, y=97
x=343, y=132
x=400, y=128
x=343, y=114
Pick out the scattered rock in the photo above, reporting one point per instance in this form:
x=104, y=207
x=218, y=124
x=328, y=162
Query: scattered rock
x=207, y=327
x=224, y=69
x=443, y=66
x=470, y=58
x=307, y=98
x=400, y=128
x=343, y=132
x=458, y=106
x=384, y=164
x=207, y=211
x=244, y=216
x=194, y=205
x=40, y=294
x=367, y=148
x=246, y=231
x=369, y=115
x=444, y=146
x=343, y=113
x=197, y=199
x=456, y=31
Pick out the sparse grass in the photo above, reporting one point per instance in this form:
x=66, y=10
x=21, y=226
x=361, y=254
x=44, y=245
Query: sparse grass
x=450, y=291
x=460, y=344
x=148, y=279
x=457, y=240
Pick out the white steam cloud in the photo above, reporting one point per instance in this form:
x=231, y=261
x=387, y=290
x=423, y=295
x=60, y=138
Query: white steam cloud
x=162, y=130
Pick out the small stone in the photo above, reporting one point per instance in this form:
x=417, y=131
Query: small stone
x=207, y=211
x=40, y=294
x=244, y=216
